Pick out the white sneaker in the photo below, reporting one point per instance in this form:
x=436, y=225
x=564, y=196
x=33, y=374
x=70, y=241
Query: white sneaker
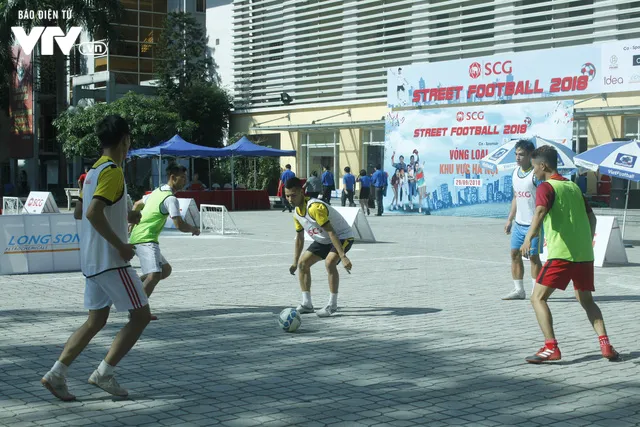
x=57, y=385
x=419, y=210
x=515, y=294
x=327, y=311
x=304, y=309
x=108, y=383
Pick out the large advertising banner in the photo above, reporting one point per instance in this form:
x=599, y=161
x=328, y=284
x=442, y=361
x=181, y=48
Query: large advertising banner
x=432, y=156
x=21, y=107
x=45, y=243
x=569, y=71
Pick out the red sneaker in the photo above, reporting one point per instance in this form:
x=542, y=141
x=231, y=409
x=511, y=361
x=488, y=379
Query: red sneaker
x=544, y=355
x=610, y=353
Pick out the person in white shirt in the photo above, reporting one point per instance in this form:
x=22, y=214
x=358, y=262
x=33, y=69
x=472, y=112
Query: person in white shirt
x=523, y=206
x=332, y=238
x=104, y=259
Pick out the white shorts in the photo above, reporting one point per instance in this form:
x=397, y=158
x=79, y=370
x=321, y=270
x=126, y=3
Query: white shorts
x=151, y=259
x=121, y=287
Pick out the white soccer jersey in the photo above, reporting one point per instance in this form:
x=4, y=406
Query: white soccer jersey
x=96, y=254
x=315, y=215
x=524, y=189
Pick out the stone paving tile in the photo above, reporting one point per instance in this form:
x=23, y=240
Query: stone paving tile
x=421, y=338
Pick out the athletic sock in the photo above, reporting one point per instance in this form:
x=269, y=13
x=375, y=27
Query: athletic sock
x=306, y=299
x=519, y=285
x=333, y=300
x=551, y=344
x=60, y=369
x=604, y=341
x=105, y=369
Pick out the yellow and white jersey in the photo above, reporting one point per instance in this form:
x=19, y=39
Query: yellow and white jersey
x=105, y=181
x=315, y=215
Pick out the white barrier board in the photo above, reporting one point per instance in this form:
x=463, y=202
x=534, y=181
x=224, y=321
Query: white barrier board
x=607, y=243
x=189, y=213
x=359, y=225
x=45, y=243
x=40, y=202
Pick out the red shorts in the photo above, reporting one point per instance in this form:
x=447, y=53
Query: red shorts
x=557, y=273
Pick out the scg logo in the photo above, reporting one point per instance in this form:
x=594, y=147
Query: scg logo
x=475, y=69
x=475, y=115
x=460, y=116
x=525, y=194
x=636, y=60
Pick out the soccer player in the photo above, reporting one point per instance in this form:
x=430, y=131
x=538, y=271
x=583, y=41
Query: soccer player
x=523, y=205
x=569, y=225
x=104, y=257
x=332, y=239
x=160, y=204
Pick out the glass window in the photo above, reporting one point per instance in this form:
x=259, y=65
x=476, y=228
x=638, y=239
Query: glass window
x=580, y=136
x=631, y=127
x=117, y=63
x=147, y=50
x=146, y=77
x=158, y=20
x=146, y=19
x=125, y=49
x=100, y=64
x=146, y=66
x=201, y=5
x=129, y=17
x=152, y=20
x=129, y=4
x=127, y=78
x=127, y=33
x=149, y=35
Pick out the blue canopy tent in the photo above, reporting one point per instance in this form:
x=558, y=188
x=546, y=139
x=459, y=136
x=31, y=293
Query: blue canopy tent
x=246, y=148
x=176, y=147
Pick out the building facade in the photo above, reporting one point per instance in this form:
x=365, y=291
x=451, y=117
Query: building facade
x=313, y=74
x=129, y=65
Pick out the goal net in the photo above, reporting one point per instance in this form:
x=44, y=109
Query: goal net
x=217, y=219
x=11, y=206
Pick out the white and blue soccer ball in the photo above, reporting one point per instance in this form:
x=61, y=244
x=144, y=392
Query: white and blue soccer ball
x=289, y=319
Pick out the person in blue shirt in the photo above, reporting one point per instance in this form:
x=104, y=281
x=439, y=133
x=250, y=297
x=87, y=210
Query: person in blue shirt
x=286, y=176
x=349, y=187
x=379, y=181
x=328, y=184
x=365, y=191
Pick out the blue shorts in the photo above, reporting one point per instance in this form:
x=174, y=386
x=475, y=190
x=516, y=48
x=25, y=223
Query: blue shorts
x=519, y=232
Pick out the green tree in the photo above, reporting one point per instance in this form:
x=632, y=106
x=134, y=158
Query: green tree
x=185, y=55
x=188, y=80
x=151, y=121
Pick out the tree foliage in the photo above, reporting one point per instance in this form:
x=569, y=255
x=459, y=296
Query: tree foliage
x=185, y=55
x=188, y=80
x=151, y=121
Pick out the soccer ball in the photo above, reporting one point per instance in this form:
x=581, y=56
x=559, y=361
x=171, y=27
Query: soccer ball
x=289, y=319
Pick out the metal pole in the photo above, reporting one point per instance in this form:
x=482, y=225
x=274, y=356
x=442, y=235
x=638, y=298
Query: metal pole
x=233, y=190
x=210, y=183
x=626, y=203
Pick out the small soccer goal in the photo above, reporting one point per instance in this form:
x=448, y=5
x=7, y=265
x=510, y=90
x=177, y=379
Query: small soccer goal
x=11, y=206
x=217, y=219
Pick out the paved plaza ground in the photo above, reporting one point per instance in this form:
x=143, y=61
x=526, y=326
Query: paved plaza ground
x=421, y=339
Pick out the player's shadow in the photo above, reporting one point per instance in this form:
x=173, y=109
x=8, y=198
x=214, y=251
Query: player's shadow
x=624, y=357
x=270, y=309
x=386, y=311
x=601, y=298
